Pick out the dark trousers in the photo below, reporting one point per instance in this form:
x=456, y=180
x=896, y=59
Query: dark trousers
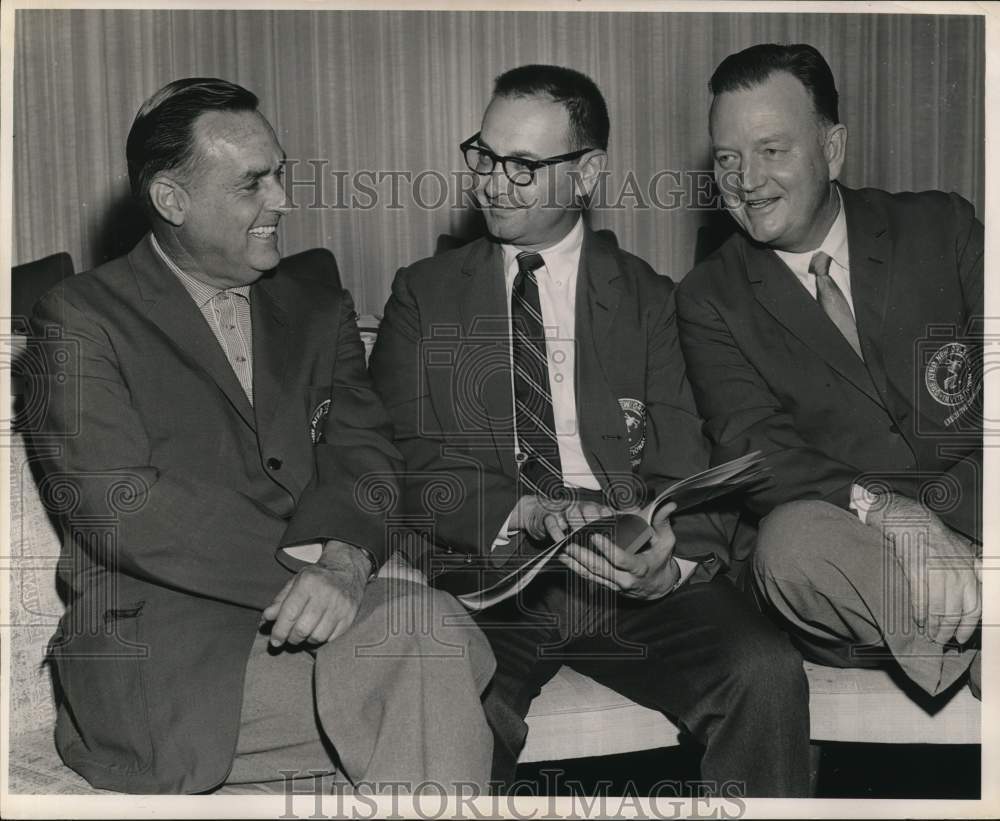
x=703, y=655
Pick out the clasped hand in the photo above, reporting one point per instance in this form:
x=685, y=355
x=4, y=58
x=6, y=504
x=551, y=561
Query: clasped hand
x=647, y=575
x=319, y=603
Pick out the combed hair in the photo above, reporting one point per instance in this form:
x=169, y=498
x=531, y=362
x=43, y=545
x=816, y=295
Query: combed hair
x=161, y=137
x=588, y=113
x=751, y=67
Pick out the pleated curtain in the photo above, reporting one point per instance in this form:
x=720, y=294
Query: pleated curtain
x=369, y=103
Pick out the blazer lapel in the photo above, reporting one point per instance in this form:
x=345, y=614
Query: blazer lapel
x=170, y=306
x=782, y=295
x=270, y=351
x=272, y=333
x=485, y=321
x=870, y=249
x=598, y=295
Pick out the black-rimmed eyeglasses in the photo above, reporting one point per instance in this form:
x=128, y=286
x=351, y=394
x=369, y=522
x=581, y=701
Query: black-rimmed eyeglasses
x=519, y=170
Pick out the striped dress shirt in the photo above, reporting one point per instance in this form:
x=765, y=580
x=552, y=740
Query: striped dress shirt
x=227, y=312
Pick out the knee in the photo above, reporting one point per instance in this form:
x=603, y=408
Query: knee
x=788, y=539
x=433, y=625
x=458, y=629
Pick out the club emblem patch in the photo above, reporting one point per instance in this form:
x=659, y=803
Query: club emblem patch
x=316, y=421
x=635, y=426
x=951, y=376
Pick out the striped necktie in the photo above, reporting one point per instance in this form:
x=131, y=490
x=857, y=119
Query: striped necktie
x=833, y=301
x=538, y=456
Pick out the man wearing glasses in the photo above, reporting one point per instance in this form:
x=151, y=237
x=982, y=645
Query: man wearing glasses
x=534, y=380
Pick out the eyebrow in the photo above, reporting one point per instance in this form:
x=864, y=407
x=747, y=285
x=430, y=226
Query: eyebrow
x=252, y=175
x=525, y=155
x=770, y=138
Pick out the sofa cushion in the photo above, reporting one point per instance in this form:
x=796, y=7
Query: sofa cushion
x=36, y=769
x=880, y=706
x=35, y=606
x=575, y=717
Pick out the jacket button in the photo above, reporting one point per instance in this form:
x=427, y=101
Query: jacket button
x=273, y=464
x=893, y=429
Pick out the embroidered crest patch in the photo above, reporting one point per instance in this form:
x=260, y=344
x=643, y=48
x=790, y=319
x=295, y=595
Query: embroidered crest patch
x=316, y=421
x=951, y=376
x=635, y=426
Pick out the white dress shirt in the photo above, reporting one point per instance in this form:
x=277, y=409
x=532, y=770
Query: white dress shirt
x=557, y=280
x=557, y=296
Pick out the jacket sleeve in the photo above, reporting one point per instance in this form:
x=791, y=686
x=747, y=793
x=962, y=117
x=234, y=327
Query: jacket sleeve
x=743, y=415
x=676, y=448
x=355, y=482
x=967, y=473
x=171, y=529
x=448, y=493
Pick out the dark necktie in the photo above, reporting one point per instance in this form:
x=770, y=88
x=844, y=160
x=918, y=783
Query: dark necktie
x=541, y=470
x=833, y=301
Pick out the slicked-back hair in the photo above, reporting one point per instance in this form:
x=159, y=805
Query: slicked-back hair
x=752, y=67
x=162, y=134
x=588, y=113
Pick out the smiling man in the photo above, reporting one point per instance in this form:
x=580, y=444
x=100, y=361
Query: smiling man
x=534, y=379
x=840, y=334
x=208, y=402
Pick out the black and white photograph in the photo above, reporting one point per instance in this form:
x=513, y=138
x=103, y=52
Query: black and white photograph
x=472, y=410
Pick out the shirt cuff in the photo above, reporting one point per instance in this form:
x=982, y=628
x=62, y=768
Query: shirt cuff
x=308, y=553
x=504, y=536
x=862, y=500
x=687, y=568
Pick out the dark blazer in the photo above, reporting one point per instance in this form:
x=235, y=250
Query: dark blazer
x=770, y=370
x=441, y=365
x=175, y=494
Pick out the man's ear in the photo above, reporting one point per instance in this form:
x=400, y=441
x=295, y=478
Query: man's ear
x=835, y=149
x=169, y=199
x=588, y=171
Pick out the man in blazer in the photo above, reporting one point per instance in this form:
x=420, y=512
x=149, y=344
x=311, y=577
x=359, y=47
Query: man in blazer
x=840, y=333
x=461, y=367
x=210, y=439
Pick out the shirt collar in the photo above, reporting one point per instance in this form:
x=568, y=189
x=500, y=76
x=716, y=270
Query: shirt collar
x=568, y=248
x=201, y=292
x=834, y=244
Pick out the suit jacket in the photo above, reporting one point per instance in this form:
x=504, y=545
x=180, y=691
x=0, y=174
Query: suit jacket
x=771, y=371
x=175, y=495
x=442, y=367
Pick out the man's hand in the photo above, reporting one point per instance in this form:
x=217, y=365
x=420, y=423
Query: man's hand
x=320, y=602
x=940, y=565
x=650, y=574
x=541, y=518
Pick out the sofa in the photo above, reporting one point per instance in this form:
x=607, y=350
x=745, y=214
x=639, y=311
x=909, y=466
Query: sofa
x=573, y=716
